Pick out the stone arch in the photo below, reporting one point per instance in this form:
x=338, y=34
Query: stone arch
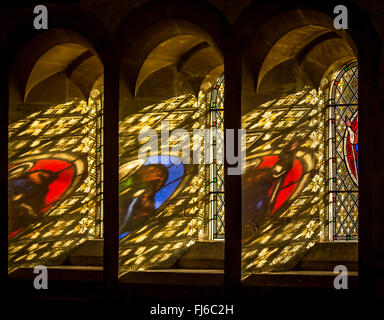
x=176, y=43
x=71, y=51
x=55, y=66
x=260, y=30
x=299, y=39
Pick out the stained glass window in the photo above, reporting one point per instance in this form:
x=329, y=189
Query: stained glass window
x=343, y=161
x=215, y=176
x=55, y=181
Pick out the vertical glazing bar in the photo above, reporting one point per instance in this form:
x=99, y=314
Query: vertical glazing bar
x=216, y=124
x=331, y=173
x=102, y=166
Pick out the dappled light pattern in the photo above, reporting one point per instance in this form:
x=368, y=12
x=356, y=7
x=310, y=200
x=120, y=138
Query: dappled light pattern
x=283, y=185
x=167, y=197
x=54, y=182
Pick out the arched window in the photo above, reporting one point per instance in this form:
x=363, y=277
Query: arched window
x=55, y=158
x=343, y=163
x=168, y=201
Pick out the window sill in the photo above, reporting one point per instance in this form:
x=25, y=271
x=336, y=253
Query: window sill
x=191, y=277
x=297, y=279
x=63, y=273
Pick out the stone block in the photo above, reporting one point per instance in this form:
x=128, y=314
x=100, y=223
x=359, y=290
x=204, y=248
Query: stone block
x=90, y=253
x=325, y=256
x=203, y=255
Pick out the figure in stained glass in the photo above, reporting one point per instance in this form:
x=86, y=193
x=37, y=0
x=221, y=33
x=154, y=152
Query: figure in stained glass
x=35, y=184
x=145, y=190
x=351, y=147
x=271, y=184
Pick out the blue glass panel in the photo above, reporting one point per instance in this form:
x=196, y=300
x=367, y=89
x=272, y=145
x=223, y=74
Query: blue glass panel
x=165, y=192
